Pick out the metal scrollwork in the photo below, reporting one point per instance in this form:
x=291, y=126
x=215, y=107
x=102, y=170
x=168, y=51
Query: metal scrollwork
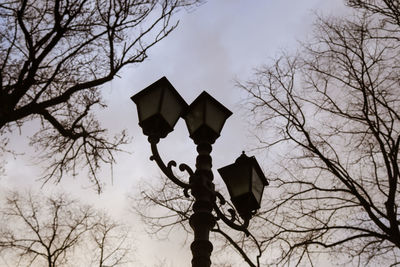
x=184, y=167
x=167, y=169
x=233, y=221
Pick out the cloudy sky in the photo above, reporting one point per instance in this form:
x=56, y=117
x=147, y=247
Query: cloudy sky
x=215, y=44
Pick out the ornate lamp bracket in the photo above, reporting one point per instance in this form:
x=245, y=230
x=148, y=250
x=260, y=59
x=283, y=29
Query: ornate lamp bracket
x=167, y=169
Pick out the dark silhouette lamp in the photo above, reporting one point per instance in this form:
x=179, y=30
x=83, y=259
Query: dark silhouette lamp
x=159, y=108
x=245, y=182
x=205, y=118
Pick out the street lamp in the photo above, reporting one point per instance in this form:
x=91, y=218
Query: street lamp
x=205, y=118
x=159, y=108
x=245, y=181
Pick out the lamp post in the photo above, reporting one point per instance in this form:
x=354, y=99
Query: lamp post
x=159, y=108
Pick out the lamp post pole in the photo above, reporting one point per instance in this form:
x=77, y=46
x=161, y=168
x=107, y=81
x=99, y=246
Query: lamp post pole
x=159, y=107
x=202, y=220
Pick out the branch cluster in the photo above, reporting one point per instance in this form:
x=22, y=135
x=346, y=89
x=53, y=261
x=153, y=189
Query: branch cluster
x=54, y=58
x=58, y=231
x=336, y=106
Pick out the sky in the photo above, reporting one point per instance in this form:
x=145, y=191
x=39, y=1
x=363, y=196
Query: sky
x=214, y=45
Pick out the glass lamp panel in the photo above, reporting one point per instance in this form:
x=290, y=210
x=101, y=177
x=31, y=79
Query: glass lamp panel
x=257, y=185
x=194, y=118
x=171, y=107
x=237, y=182
x=148, y=104
x=215, y=117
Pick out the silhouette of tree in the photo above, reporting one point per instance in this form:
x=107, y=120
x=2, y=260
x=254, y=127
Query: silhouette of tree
x=56, y=231
x=111, y=243
x=54, y=58
x=336, y=108
x=329, y=119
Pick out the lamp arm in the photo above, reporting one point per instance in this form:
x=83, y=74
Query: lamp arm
x=230, y=222
x=167, y=169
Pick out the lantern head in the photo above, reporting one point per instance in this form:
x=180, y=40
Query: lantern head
x=245, y=182
x=159, y=108
x=205, y=118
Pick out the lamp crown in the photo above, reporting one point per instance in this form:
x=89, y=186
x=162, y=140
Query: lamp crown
x=243, y=157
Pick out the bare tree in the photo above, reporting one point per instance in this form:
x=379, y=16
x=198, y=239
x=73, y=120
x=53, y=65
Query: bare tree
x=111, y=241
x=335, y=107
x=54, y=58
x=56, y=231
